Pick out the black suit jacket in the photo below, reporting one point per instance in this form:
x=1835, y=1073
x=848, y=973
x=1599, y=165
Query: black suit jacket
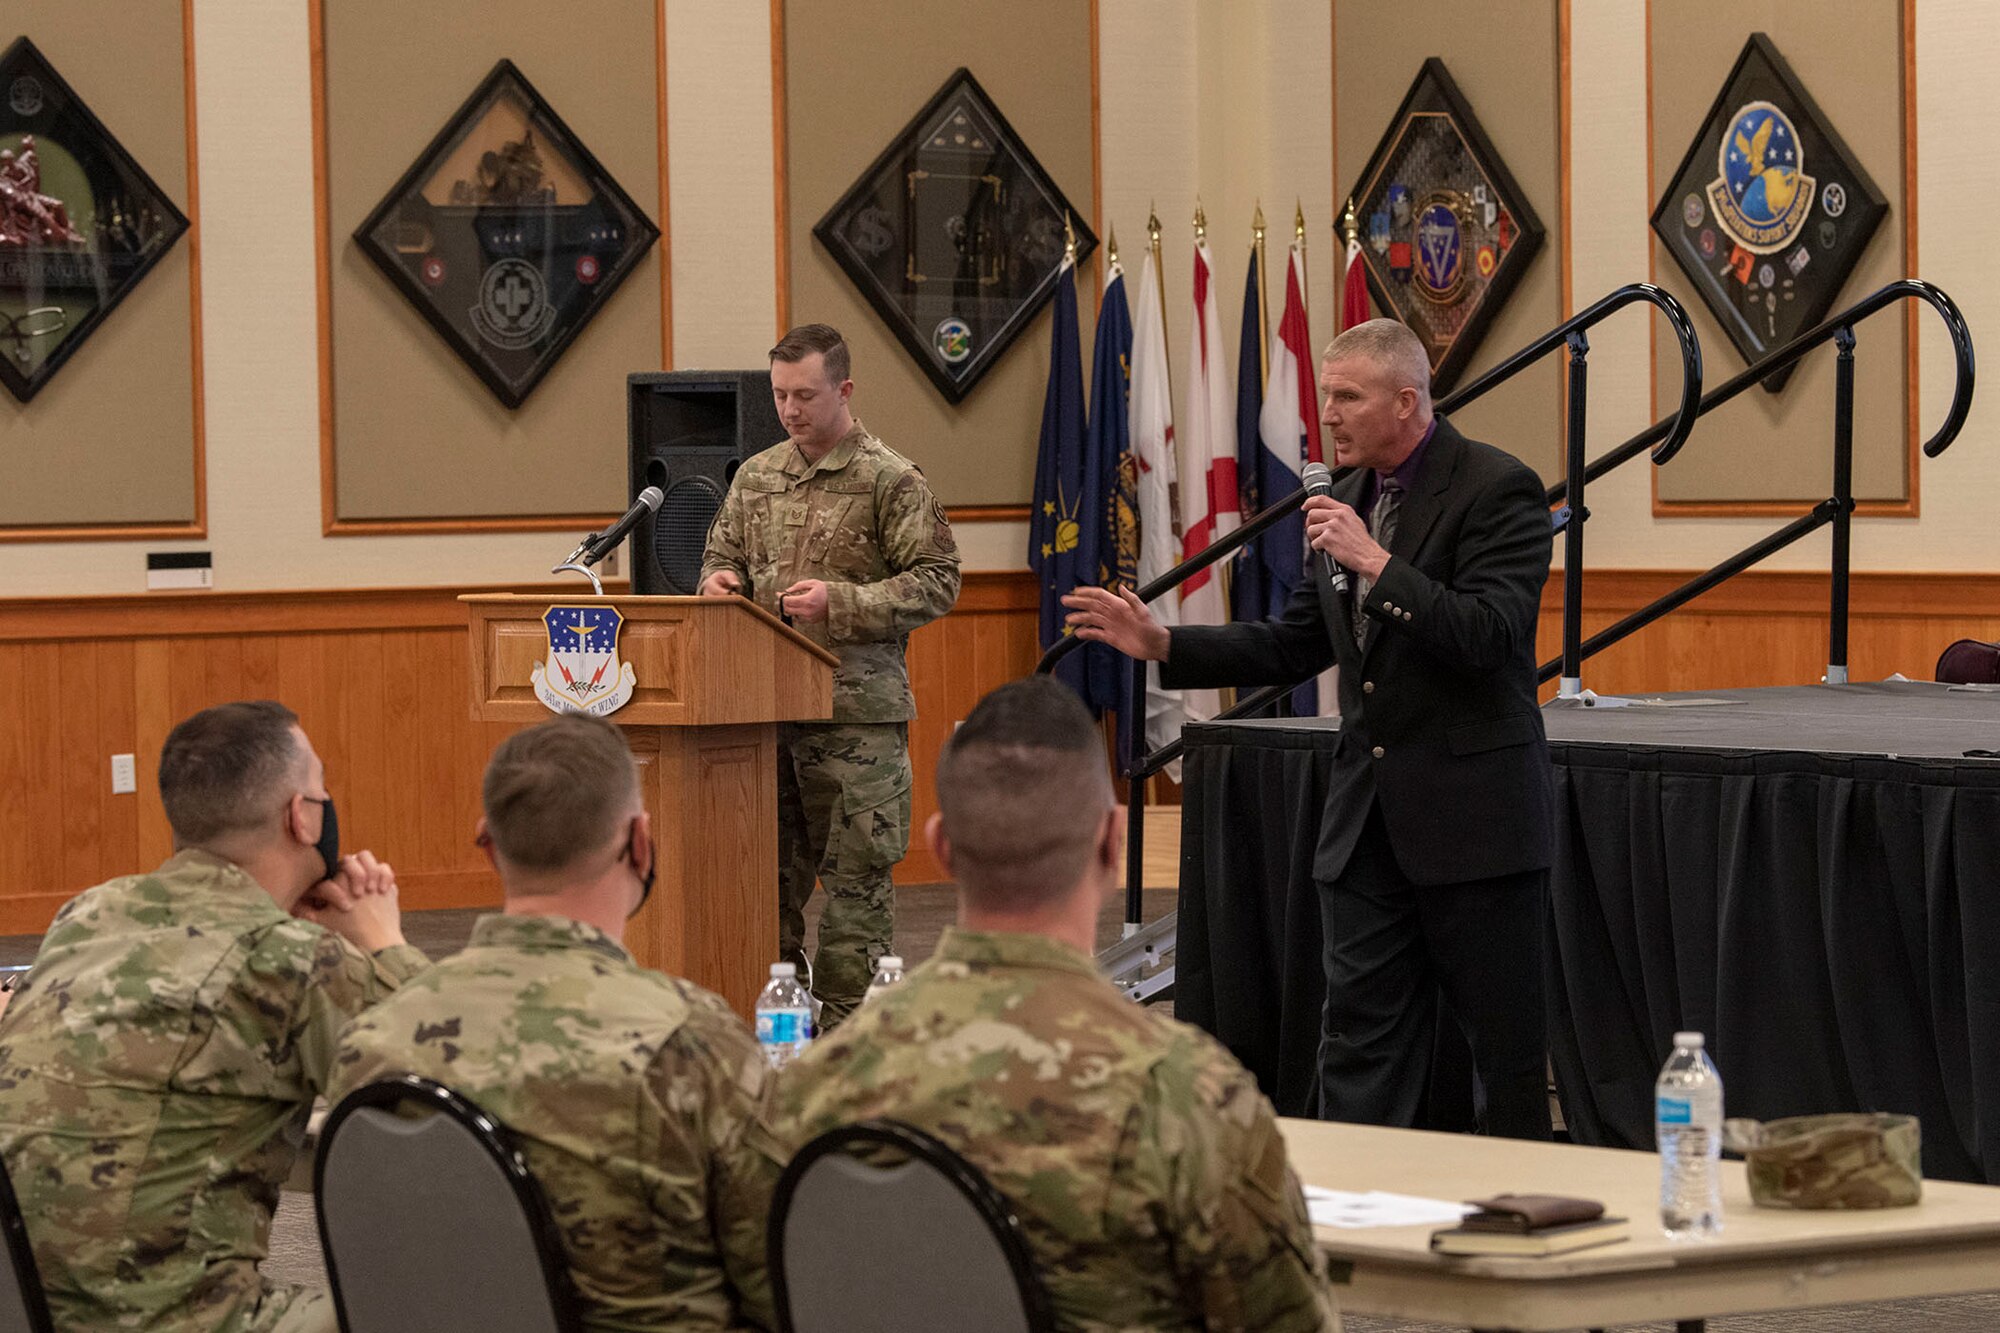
x=1439, y=722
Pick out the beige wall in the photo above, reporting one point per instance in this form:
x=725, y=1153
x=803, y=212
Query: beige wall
x=1176, y=118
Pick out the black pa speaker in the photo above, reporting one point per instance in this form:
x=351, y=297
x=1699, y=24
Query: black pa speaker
x=687, y=433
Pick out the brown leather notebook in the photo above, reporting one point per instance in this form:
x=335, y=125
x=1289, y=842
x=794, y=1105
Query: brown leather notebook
x=1524, y=1214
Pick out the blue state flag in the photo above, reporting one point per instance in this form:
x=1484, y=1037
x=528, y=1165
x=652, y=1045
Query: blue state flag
x=1059, y=551
x=1250, y=583
x=1109, y=461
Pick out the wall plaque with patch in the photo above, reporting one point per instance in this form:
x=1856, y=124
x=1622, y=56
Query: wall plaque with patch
x=506, y=235
x=954, y=234
x=1769, y=211
x=1449, y=233
x=81, y=223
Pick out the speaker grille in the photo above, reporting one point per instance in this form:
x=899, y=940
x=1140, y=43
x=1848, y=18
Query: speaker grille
x=680, y=529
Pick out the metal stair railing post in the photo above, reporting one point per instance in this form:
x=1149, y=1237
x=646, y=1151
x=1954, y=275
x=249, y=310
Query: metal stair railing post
x=1572, y=625
x=1843, y=503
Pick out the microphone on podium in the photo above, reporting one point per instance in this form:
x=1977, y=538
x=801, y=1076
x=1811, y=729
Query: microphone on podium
x=1319, y=481
x=598, y=545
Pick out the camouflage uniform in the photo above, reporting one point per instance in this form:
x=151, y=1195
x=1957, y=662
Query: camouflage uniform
x=1146, y=1167
x=156, y=1071
x=630, y=1094
x=863, y=520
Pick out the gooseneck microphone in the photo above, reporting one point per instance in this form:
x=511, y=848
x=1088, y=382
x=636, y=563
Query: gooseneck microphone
x=598, y=545
x=1319, y=481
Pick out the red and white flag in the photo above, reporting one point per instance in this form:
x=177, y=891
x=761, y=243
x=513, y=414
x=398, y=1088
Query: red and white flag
x=1289, y=426
x=1150, y=402
x=1210, y=502
x=1354, y=308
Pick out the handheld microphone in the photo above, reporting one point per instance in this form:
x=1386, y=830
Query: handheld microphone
x=1319, y=481
x=598, y=545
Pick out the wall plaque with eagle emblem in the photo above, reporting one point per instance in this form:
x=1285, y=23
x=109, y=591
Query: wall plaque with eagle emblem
x=81, y=223
x=1446, y=233
x=507, y=235
x=1769, y=212
x=954, y=234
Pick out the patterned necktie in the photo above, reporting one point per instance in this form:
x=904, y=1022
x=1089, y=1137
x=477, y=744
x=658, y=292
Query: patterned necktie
x=1382, y=531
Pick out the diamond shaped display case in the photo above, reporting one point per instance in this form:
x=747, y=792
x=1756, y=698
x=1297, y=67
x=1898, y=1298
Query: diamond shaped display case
x=506, y=235
x=954, y=234
x=81, y=223
x=1446, y=232
x=1769, y=211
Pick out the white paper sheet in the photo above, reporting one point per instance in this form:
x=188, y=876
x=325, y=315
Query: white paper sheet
x=1378, y=1208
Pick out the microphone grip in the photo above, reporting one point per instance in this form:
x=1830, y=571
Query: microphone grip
x=1334, y=573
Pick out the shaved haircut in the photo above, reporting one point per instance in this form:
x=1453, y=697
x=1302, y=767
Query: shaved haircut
x=1023, y=788
x=1394, y=347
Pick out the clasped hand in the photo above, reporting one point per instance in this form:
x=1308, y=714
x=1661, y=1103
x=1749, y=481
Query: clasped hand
x=1336, y=529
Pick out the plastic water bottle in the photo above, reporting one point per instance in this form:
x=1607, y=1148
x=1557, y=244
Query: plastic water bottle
x=784, y=1016
x=888, y=972
x=1687, y=1123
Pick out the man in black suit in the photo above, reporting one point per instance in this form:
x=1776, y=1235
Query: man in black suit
x=1434, y=848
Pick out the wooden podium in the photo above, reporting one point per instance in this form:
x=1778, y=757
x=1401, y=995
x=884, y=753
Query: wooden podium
x=714, y=677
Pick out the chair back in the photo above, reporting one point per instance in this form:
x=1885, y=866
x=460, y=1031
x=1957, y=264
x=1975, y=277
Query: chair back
x=22, y=1304
x=430, y=1221
x=878, y=1227
x=1969, y=662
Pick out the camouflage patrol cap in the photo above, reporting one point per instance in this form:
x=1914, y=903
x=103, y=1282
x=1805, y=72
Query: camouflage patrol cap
x=1847, y=1160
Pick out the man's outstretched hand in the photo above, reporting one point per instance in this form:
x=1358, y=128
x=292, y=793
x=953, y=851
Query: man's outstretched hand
x=1120, y=619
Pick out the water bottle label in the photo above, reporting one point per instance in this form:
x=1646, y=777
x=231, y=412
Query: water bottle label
x=781, y=1029
x=1675, y=1111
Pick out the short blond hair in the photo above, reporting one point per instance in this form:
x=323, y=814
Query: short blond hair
x=1392, y=345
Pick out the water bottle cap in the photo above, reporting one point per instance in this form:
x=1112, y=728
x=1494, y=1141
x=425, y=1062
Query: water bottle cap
x=1694, y=1039
x=889, y=962
x=781, y=970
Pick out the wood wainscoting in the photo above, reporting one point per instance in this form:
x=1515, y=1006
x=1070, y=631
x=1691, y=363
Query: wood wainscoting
x=379, y=678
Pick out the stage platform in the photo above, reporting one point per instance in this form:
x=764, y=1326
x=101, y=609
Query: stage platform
x=1809, y=875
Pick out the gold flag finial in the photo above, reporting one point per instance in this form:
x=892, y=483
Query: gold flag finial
x=1257, y=224
x=1111, y=246
x=1153, y=225
x=1069, y=240
x=1200, y=223
x=1350, y=224
x=1298, y=224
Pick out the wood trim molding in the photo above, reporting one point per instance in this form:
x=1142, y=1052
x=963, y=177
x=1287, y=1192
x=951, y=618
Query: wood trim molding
x=330, y=522
x=197, y=529
x=154, y=615
x=666, y=241
x=780, y=169
x=1563, y=121
x=1872, y=593
x=1912, y=424
x=1096, y=154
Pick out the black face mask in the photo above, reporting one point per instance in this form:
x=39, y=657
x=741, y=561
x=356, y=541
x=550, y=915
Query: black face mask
x=645, y=880
x=329, y=835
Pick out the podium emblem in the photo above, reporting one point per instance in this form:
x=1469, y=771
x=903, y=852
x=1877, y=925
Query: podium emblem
x=583, y=673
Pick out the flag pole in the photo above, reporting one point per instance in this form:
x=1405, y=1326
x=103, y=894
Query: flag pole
x=1263, y=314
x=1160, y=280
x=1299, y=243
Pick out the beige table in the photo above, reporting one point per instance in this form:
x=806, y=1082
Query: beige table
x=1765, y=1259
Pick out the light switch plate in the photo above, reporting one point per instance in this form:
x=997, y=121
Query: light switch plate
x=124, y=774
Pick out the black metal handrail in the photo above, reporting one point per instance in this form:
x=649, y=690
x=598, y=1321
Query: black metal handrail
x=1838, y=508
x=1570, y=334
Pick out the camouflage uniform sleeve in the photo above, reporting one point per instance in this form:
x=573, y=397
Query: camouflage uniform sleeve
x=709, y=1089
x=344, y=982
x=725, y=549
x=1241, y=1236
x=922, y=557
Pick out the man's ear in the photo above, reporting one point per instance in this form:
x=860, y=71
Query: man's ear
x=939, y=844
x=642, y=841
x=1113, y=845
x=483, y=840
x=295, y=819
x=846, y=390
